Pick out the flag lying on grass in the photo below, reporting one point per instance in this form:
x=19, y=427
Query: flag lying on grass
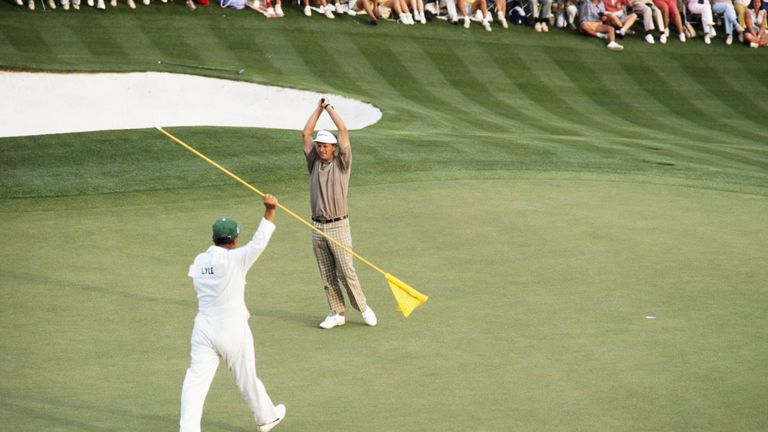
x=406, y=297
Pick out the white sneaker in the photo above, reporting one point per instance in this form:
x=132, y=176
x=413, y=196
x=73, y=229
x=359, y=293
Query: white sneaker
x=307, y=11
x=682, y=37
x=131, y=4
x=279, y=11
x=613, y=46
x=100, y=5
x=31, y=5
x=75, y=6
x=269, y=426
x=663, y=38
x=503, y=22
x=649, y=39
x=601, y=35
x=369, y=317
x=753, y=45
x=328, y=13
x=146, y=2
x=544, y=27
x=19, y=3
x=487, y=26
x=65, y=6
x=402, y=19
x=707, y=39
x=537, y=27
x=466, y=22
x=729, y=40
x=712, y=32
x=422, y=19
x=333, y=320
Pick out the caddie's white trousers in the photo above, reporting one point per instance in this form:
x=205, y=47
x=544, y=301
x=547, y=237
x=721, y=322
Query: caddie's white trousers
x=233, y=342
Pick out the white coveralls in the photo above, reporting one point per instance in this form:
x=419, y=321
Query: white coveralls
x=221, y=330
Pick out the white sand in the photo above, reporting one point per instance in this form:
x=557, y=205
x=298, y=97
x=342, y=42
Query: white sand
x=47, y=103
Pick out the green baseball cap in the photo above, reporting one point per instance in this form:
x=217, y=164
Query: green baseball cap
x=225, y=230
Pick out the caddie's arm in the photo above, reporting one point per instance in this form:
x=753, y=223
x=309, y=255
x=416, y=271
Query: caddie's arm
x=306, y=134
x=340, y=126
x=270, y=207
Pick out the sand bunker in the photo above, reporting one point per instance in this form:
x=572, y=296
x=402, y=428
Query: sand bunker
x=48, y=103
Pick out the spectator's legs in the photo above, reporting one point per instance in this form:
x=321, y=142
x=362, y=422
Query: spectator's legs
x=595, y=28
x=741, y=12
x=627, y=22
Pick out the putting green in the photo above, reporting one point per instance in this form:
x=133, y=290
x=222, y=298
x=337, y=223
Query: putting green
x=539, y=290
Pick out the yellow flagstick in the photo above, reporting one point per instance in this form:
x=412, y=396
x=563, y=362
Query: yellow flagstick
x=406, y=297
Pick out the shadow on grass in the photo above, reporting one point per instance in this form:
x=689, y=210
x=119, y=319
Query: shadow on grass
x=66, y=415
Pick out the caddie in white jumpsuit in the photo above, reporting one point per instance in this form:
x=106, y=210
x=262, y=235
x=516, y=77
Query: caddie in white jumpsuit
x=221, y=326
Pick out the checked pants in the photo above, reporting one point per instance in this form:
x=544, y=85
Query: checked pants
x=336, y=266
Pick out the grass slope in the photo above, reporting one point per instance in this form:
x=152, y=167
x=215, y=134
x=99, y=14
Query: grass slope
x=546, y=193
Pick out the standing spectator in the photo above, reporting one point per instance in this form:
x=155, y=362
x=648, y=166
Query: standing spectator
x=704, y=9
x=755, y=33
x=731, y=23
x=542, y=10
x=590, y=23
x=329, y=174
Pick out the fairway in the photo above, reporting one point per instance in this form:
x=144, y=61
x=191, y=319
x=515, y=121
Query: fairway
x=590, y=228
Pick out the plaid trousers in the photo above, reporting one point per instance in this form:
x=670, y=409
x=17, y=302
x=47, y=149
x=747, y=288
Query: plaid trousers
x=336, y=266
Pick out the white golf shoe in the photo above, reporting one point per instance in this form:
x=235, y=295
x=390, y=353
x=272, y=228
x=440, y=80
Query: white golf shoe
x=269, y=426
x=649, y=39
x=369, y=317
x=333, y=320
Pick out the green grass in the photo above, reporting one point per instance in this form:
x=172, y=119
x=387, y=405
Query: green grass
x=547, y=194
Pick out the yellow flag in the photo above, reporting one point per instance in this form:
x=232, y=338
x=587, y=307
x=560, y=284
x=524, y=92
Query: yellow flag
x=406, y=297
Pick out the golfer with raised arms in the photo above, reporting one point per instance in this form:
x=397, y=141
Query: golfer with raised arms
x=221, y=326
x=329, y=170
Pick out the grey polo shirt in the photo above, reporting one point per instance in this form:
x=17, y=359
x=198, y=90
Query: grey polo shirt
x=329, y=183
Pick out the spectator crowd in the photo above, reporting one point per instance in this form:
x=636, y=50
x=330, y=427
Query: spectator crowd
x=610, y=20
